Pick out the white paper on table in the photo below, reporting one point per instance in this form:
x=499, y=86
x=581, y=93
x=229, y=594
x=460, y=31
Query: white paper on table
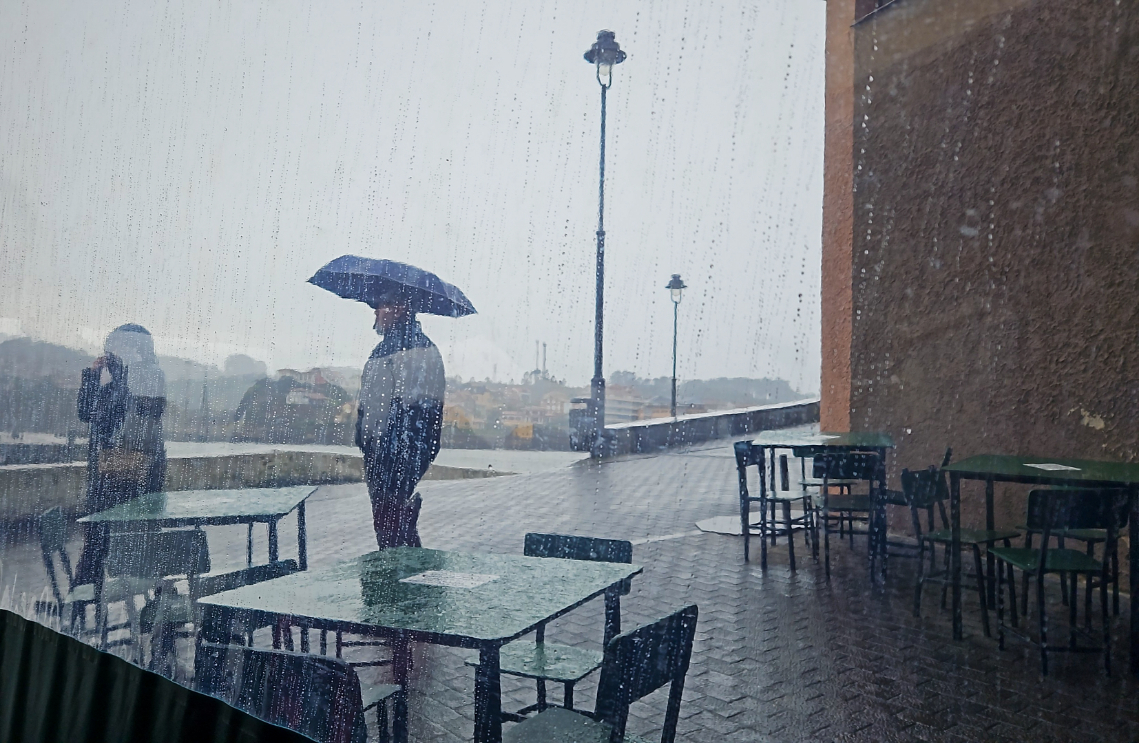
x=1053, y=467
x=449, y=579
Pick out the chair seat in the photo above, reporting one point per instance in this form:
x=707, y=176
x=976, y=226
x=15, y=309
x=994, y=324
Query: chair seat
x=174, y=609
x=373, y=695
x=547, y=660
x=895, y=498
x=1058, y=560
x=114, y=589
x=559, y=725
x=972, y=536
x=85, y=593
x=780, y=496
x=1082, y=535
x=849, y=503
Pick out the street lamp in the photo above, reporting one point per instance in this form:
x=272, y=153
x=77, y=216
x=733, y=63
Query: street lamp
x=604, y=53
x=675, y=288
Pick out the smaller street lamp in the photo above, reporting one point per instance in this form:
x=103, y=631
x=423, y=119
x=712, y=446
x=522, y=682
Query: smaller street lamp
x=675, y=288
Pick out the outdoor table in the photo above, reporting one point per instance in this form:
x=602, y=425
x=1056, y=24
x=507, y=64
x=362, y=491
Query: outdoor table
x=805, y=444
x=218, y=508
x=1042, y=471
x=411, y=594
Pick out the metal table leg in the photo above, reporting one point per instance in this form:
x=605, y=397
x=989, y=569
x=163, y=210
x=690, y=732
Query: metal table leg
x=990, y=524
x=302, y=538
x=955, y=550
x=1133, y=534
x=401, y=663
x=488, y=701
x=612, y=613
x=273, y=550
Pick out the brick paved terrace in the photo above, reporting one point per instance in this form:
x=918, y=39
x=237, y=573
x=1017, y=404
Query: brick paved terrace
x=779, y=656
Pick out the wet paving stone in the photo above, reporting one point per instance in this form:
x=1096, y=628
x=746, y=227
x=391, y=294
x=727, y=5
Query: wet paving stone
x=779, y=655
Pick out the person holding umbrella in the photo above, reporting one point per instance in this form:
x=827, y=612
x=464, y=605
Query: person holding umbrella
x=400, y=415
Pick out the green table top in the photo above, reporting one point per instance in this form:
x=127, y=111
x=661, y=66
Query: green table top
x=197, y=507
x=491, y=597
x=1047, y=471
x=823, y=440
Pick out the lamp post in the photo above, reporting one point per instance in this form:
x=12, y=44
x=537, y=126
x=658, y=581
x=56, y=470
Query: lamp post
x=675, y=288
x=604, y=53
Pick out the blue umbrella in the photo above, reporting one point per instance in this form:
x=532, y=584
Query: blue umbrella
x=374, y=282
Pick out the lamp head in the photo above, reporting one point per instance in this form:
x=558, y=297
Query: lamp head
x=675, y=287
x=605, y=53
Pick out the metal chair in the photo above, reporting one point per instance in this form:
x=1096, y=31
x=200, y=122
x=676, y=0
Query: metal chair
x=546, y=661
x=1057, y=510
x=240, y=630
x=1091, y=538
x=848, y=466
x=636, y=664
x=770, y=499
x=314, y=695
x=157, y=558
x=924, y=490
x=77, y=597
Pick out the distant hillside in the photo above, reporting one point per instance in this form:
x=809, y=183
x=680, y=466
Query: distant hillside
x=31, y=359
x=724, y=392
x=39, y=380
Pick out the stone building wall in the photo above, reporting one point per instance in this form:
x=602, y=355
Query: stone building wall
x=995, y=267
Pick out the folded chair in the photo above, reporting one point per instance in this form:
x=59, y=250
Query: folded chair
x=772, y=500
x=1091, y=538
x=853, y=466
x=565, y=664
x=314, y=695
x=158, y=559
x=1051, y=511
x=71, y=602
x=636, y=664
x=924, y=490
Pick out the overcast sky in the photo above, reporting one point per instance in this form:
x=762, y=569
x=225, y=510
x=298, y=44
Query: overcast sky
x=188, y=165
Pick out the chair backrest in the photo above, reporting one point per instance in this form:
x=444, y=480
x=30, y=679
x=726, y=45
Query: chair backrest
x=159, y=554
x=569, y=547
x=846, y=465
x=639, y=662
x=53, y=541
x=924, y=488
x=1076, y=508
x=746, y=456
x=314, y=695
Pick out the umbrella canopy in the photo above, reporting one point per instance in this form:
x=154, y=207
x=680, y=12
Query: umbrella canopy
x=374, y=282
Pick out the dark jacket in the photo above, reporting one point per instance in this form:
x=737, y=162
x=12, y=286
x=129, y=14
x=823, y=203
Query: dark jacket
x=400, y=418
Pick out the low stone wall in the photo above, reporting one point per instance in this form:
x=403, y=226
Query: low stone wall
x=30, y=489
x=41, y=453
x=638, y=437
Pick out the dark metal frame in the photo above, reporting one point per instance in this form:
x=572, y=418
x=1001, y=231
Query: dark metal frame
x=1044, y=478
x=488, y=697
x=748, y=454
x=836, y=462
x=1052, y=520
x=270, y=520
x=571, y=547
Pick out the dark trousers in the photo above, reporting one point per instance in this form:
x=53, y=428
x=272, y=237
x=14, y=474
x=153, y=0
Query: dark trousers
x=396, y=519
x=107, y=492
x=395, y=506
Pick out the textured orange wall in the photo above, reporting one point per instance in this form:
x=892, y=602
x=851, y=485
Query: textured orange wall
x=838, y=217
x=996, y=238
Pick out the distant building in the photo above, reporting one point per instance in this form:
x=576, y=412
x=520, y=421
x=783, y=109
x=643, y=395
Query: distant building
x=622, y=405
